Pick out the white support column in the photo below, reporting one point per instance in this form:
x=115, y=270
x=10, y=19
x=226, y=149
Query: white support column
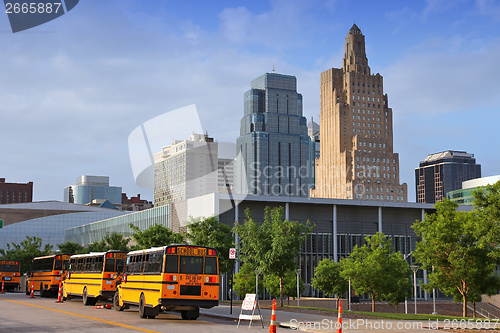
x=380, y=219
x=334, y=234
x=287, y=211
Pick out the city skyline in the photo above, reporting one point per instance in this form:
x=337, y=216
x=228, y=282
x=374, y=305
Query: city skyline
x=74, y=88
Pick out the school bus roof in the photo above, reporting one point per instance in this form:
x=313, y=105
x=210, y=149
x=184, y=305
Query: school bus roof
x=51, y=256
x=162, y=248
x=95, y=254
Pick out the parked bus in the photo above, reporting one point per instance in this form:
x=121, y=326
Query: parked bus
x=46, y=274
x=94, y=276
x=176, y=277
x=10, y=274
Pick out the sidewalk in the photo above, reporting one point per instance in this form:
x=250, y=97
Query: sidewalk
x=316, y=323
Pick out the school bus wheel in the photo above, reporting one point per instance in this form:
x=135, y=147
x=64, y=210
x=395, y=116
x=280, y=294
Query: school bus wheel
x=116, y=302
x=142, y=307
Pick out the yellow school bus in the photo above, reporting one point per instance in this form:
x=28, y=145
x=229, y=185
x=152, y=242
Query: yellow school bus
x=176, y=277
x=94, y=276
x=46, y=274
x=10, y=274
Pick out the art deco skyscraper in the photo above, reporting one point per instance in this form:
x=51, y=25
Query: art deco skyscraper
x=357, y=160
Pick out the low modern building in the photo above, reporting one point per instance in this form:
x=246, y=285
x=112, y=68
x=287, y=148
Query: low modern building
x=340, y=224
x=15, y=192
x=464, y=196
x=46, y=220
x=89, y=188
x=444, y=172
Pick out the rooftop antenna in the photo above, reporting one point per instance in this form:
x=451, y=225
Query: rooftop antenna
x=273, y=69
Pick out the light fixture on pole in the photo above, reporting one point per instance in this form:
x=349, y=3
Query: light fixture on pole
x=414, y=268
x=256, y=282
x=298, y=270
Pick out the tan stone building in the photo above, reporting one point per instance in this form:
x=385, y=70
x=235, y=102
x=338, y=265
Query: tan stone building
x=356, y=160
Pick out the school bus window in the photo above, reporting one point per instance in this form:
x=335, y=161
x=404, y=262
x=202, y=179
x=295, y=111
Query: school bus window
x=120, y=263
x=211, y=265
x=58, y=265
x=98, y=264
x=8, y=268
x=110, y=265
x=171, y=264
x=191, y=265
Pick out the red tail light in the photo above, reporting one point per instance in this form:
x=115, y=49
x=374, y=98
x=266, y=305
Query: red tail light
x=56, y=272
x=212, y=279
x=125, y=278
x=171, y=250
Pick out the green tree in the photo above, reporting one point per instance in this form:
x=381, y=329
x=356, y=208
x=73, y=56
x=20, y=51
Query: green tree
x=289, y=282
x=114, y=241
x=210, y=232
x=327, y=278
x=377, y=270
x=117, y=241
x=71, y=248
x=457, y=245
x=98, y=246
x=25, y=251
x=272, y=246
x=487, y=203
x=155, y=236
x=244, y=281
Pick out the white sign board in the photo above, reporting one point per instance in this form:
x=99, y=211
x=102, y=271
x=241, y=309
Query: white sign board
x=232, y=253
x=248, y=302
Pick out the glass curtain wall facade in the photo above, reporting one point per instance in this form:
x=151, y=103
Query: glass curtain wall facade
x=96, y=231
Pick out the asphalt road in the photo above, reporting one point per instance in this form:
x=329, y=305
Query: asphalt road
x=20, y=313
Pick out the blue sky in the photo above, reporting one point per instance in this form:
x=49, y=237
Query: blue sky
x=72, y=90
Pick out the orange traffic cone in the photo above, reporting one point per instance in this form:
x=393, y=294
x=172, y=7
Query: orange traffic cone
x=32, y=295
x=2, y=287
x=339, y=320
x=272, y=327
x=59, y=294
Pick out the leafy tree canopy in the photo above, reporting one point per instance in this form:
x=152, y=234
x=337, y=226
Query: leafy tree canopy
x=71, y=248
x=272, y=246
x=457, y=245
x=210, y=232
x=377, y=270
x=114, y=241
x=244, y=281
x=24, y=252
x=155, y=236
x=272, y=284
x=327, y=278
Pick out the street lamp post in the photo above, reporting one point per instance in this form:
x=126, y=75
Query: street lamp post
x=433, y=298
x=256, y=282
x=349, y=295
x=414, y=268
x=298, y=270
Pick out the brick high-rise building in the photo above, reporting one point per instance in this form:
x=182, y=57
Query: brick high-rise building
x=357, y=160
x=15, y=192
